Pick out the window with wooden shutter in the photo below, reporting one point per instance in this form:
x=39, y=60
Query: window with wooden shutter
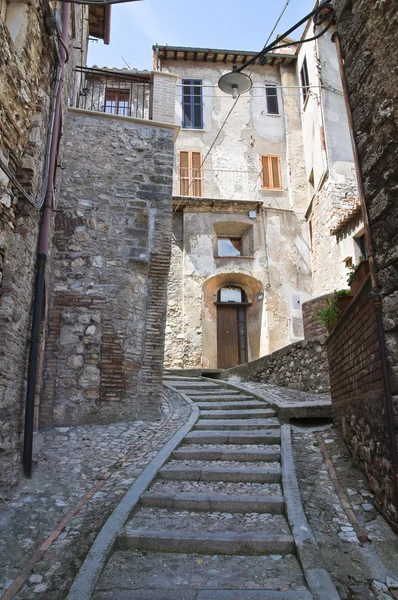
x=192, y=104
x=271, y=173
x=304, y=79
x=190, y=173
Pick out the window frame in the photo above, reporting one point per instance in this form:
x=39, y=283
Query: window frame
x=116, y=105
x=270, y=86
x=269, y=158
x=304, y=81
x=194, y=101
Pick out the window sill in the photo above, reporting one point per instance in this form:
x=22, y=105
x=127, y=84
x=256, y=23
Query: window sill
x=235, y=257
x=273, y=115
x=191, y=129
x=272, y=190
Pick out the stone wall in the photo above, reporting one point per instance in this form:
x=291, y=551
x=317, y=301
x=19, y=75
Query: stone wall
x=356, y=380
x=368, y=36
x=111, y=257
x=27, y=69
x=313, y=327
x=300, y=366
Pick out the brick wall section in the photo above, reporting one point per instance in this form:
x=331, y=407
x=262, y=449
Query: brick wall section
x=357, y=395
x=299, y=366
x=110, y=264
x=313, y=327
x=368, y=36
x=164, y=97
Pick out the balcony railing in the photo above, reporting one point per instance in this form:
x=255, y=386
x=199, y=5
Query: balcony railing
x=112, y=92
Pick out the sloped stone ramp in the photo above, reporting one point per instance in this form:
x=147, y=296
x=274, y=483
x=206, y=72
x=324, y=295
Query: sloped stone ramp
x=212, y=525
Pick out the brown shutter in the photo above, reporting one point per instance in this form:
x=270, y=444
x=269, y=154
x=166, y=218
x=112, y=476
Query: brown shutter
x=270, y=173
x=196, y=174
x=276, y=174
x=265, y=173
x=184, y=173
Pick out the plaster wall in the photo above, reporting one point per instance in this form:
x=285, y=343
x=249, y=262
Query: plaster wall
x=232, y=170
x=276, y=279
x=329, y=163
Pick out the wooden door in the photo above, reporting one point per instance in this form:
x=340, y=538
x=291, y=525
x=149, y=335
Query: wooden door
x=227, y=336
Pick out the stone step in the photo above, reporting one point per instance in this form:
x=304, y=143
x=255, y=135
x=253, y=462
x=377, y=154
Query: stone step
x=238, y=414
x=212, y=502
x=221, y=398
x=217, y=453
x=229, y=405
x=230, y=474
x=219, y=390
x=197, y=522
x=197, y=594
x=204, y=542
x=133, y=575
x=232, y=424
x=196, y=385
x=233, y=437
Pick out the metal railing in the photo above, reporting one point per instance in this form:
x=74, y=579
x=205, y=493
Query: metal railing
x=111, y=92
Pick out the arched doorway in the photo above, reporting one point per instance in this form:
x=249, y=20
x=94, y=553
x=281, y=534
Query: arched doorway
x=231, y=327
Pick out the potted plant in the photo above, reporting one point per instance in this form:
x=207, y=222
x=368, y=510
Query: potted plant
x=358, y=274
x=344, y=299
x=333, y=308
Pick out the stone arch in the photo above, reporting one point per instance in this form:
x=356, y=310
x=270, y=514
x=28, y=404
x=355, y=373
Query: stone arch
x=254, y=291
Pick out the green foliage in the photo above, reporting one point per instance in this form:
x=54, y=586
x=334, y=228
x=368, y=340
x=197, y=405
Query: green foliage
x=352, y=269
x=330, y=312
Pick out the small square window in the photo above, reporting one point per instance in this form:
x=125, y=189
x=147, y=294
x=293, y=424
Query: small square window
x=229, y=246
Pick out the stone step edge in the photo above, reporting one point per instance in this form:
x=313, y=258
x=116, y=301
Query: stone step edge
x=227, y=474
x=204, y=543
x=218, y=455
x=238, y=503
x=181, y=593
x=235, y=424
x=237, y=414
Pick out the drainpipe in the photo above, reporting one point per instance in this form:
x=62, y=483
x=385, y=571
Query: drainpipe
x=375, y=293
x=42, y=257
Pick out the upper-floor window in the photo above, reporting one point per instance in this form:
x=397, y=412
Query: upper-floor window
x=117, y=102
x=272, y=99
x=190, y=173
x=305, y=82
x=270, y=172
x=192, y=104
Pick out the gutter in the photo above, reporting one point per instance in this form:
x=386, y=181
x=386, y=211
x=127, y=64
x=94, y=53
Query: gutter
x=375, y=292
x=44, y=236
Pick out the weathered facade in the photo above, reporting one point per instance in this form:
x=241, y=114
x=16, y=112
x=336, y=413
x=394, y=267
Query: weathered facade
x=334, y=217
x=239, y=225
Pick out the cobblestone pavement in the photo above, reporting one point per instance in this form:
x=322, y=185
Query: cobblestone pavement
x=359, y=572
x=283, y=394
x=70, y=461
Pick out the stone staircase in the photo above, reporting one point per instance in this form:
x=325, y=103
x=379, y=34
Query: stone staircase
x=212, y=525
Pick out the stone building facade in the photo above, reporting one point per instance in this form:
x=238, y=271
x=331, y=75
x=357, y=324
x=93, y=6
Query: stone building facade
x=239, y=232
x=111, y=255
x=334, y=217
x=29, y=67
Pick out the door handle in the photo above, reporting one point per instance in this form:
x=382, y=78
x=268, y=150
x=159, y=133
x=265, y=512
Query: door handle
x=227, y=331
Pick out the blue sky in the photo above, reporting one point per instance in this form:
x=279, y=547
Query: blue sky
x=229, y=24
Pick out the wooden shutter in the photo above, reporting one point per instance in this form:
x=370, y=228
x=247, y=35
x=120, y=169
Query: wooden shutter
x=271, y=173
x=184, y=172
x=196, y=184
x=192, y=104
